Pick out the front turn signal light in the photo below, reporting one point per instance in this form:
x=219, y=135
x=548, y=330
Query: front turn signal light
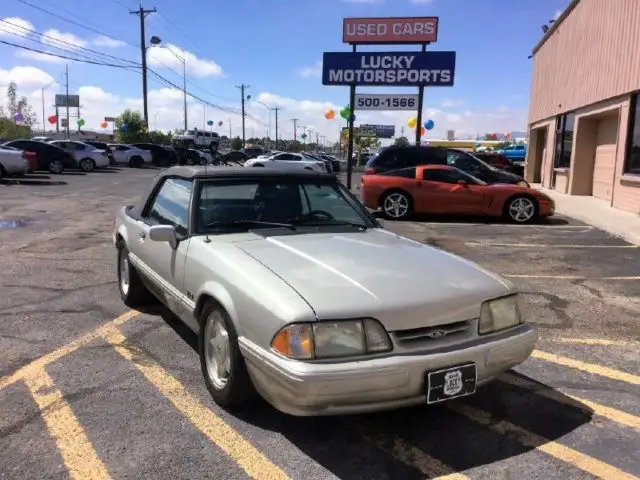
x=294, y=341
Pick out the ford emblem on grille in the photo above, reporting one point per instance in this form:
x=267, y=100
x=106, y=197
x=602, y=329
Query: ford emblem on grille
x=436, y=334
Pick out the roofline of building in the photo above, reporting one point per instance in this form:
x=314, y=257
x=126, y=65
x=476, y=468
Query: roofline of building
x=554, y=25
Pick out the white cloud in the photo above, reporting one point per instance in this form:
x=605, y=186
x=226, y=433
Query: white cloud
x=41, y=57
x=108, y=42
x=25, y=77
x=557, y=14
x=370, y=2
x=420, y=2
x=12, y=26
x=451, y=103
x=166, y=56
x=314, y=71
x=65, y=40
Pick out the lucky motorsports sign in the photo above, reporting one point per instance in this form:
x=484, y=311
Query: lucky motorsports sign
x=433, y=69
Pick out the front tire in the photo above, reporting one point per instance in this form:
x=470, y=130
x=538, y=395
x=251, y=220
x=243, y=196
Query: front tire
x=87, y=165
x=225, y=373
x=136, y=161
x=396, y=205
x=132, y=291
x=521, y=209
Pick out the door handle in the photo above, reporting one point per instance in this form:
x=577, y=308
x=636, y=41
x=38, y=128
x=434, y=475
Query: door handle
x=142, y=235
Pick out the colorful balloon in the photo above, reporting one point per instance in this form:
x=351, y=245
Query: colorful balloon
x=104, y=125
x=210, y=122
x=303, y=136
x=52, y=119
x=220, y=123
x=422, y=131
x=345, y=113
x=329, y=114
x=18, y=117
x=413, y=122
x=429, y=124
x=80, y=122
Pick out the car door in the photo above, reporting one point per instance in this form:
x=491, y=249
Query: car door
x=445, y=195
x=162, y=265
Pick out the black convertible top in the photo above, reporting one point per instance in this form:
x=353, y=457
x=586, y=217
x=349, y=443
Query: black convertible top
x=202, y=172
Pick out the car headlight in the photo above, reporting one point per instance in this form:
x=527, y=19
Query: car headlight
x=523, y=183
x=499, y=314
x=306, y=341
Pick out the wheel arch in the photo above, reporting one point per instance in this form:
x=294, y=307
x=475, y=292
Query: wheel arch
x=218, y=294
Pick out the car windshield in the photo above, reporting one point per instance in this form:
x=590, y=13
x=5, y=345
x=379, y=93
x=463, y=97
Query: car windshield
x=486, y=165
x=289, y=204
x=471, y=178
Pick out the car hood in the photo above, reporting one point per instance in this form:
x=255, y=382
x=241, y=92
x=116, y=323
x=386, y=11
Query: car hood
x=375, y=273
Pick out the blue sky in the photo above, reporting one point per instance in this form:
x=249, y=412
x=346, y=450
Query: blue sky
x=275, y=46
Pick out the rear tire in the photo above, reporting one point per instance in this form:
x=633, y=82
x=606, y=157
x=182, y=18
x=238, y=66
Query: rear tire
x=3, y=173
x=396, y=205
x=223, y=367
x=56, y=167
x=132, y=291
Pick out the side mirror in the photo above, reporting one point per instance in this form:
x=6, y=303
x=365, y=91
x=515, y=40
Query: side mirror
x=164, y=233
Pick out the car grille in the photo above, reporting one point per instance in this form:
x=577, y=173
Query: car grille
x=439, y=336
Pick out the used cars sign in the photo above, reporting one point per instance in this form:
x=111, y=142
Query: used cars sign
x=433, y=69
x=390, y=30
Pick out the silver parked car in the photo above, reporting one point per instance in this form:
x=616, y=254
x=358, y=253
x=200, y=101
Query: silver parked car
x=297, y=292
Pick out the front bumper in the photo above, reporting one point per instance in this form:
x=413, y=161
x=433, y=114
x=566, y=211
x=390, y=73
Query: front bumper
x=309, y=389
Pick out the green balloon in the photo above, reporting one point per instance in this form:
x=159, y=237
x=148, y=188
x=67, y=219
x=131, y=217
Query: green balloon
x=345, y=113
x=80, y=122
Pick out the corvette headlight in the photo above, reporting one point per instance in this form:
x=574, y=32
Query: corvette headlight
x=499, y=314
x=306, y=341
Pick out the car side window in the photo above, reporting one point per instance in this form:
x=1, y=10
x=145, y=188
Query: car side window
x=392, y=159
x=442, y=176
x=78, y=146
x=462, y=161
x=404, y=173
x=170, y=206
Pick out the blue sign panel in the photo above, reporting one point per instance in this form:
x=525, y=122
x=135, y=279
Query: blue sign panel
x=380, y=131
x=430, y=69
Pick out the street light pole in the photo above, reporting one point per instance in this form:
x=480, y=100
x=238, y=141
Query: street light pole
x=156, y=42
x=44, y=120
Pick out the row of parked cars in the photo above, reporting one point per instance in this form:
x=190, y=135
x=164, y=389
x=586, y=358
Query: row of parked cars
x=314, y=161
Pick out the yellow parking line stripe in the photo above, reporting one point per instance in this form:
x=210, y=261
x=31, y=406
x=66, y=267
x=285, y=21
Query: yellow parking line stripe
x=593, y=341
x=543, y=245
x=36, y=365
x=611, y=414
x=78, y=454
x=203, y=418
x=405, y=452
x=588, y=367
x=571, y=277
x=563, y=453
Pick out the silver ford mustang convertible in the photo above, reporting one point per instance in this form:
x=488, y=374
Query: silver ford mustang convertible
x=297, y=293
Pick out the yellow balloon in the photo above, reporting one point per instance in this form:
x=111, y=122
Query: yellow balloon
x=413, y=121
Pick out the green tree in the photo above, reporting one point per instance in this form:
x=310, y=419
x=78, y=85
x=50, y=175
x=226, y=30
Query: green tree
x=236, y=143
x=134, y=130
x=9, y=129
x=159, y=137
x=401, y=142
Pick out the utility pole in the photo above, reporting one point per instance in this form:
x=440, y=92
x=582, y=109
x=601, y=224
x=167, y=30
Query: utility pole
x=142, y=13
x=230, y=131
x=66, y=100
x=276, y=109
x=242, y=88
x=317, y=142
x=295, y=128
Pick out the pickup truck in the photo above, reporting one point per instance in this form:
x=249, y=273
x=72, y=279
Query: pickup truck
x=15, y=162
x=515, y=153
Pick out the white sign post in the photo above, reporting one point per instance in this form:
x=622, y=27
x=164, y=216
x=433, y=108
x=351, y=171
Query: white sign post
x=381, y=101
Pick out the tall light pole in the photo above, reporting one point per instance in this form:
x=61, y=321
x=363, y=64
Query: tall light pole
x=44, y=120
x=157, y=42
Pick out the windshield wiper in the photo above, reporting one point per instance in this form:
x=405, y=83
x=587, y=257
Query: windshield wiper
x=249, y=223
x=317, y=222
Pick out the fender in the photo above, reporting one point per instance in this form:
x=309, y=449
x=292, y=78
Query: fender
x=220, y=294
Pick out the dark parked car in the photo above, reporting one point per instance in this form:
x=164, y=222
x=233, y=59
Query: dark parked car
x=469, y=163
x=254, y=152
x=500, y=161
x=103, y=146
x=49, y=157
x=335, y=163
x=397, y=157
x=160, y=155
x=235, y=156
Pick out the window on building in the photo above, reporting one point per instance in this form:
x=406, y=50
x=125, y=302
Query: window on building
x=632, y=162
x=564, y=140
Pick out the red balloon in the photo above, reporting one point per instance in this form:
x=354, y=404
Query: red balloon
x=52, y=119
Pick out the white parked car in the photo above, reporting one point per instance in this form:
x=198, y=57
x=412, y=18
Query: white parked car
x=87, y=156
x=14, y=161
x=132, y=156
x=289, y=161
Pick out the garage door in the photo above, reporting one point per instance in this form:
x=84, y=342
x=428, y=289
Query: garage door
x=605, y=160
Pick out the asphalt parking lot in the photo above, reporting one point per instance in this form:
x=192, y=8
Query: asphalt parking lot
x=89, y=389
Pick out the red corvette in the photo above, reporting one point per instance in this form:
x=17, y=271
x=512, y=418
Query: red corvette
x=441, y=189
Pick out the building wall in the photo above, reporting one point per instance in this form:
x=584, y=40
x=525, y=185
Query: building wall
x=589, y=57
